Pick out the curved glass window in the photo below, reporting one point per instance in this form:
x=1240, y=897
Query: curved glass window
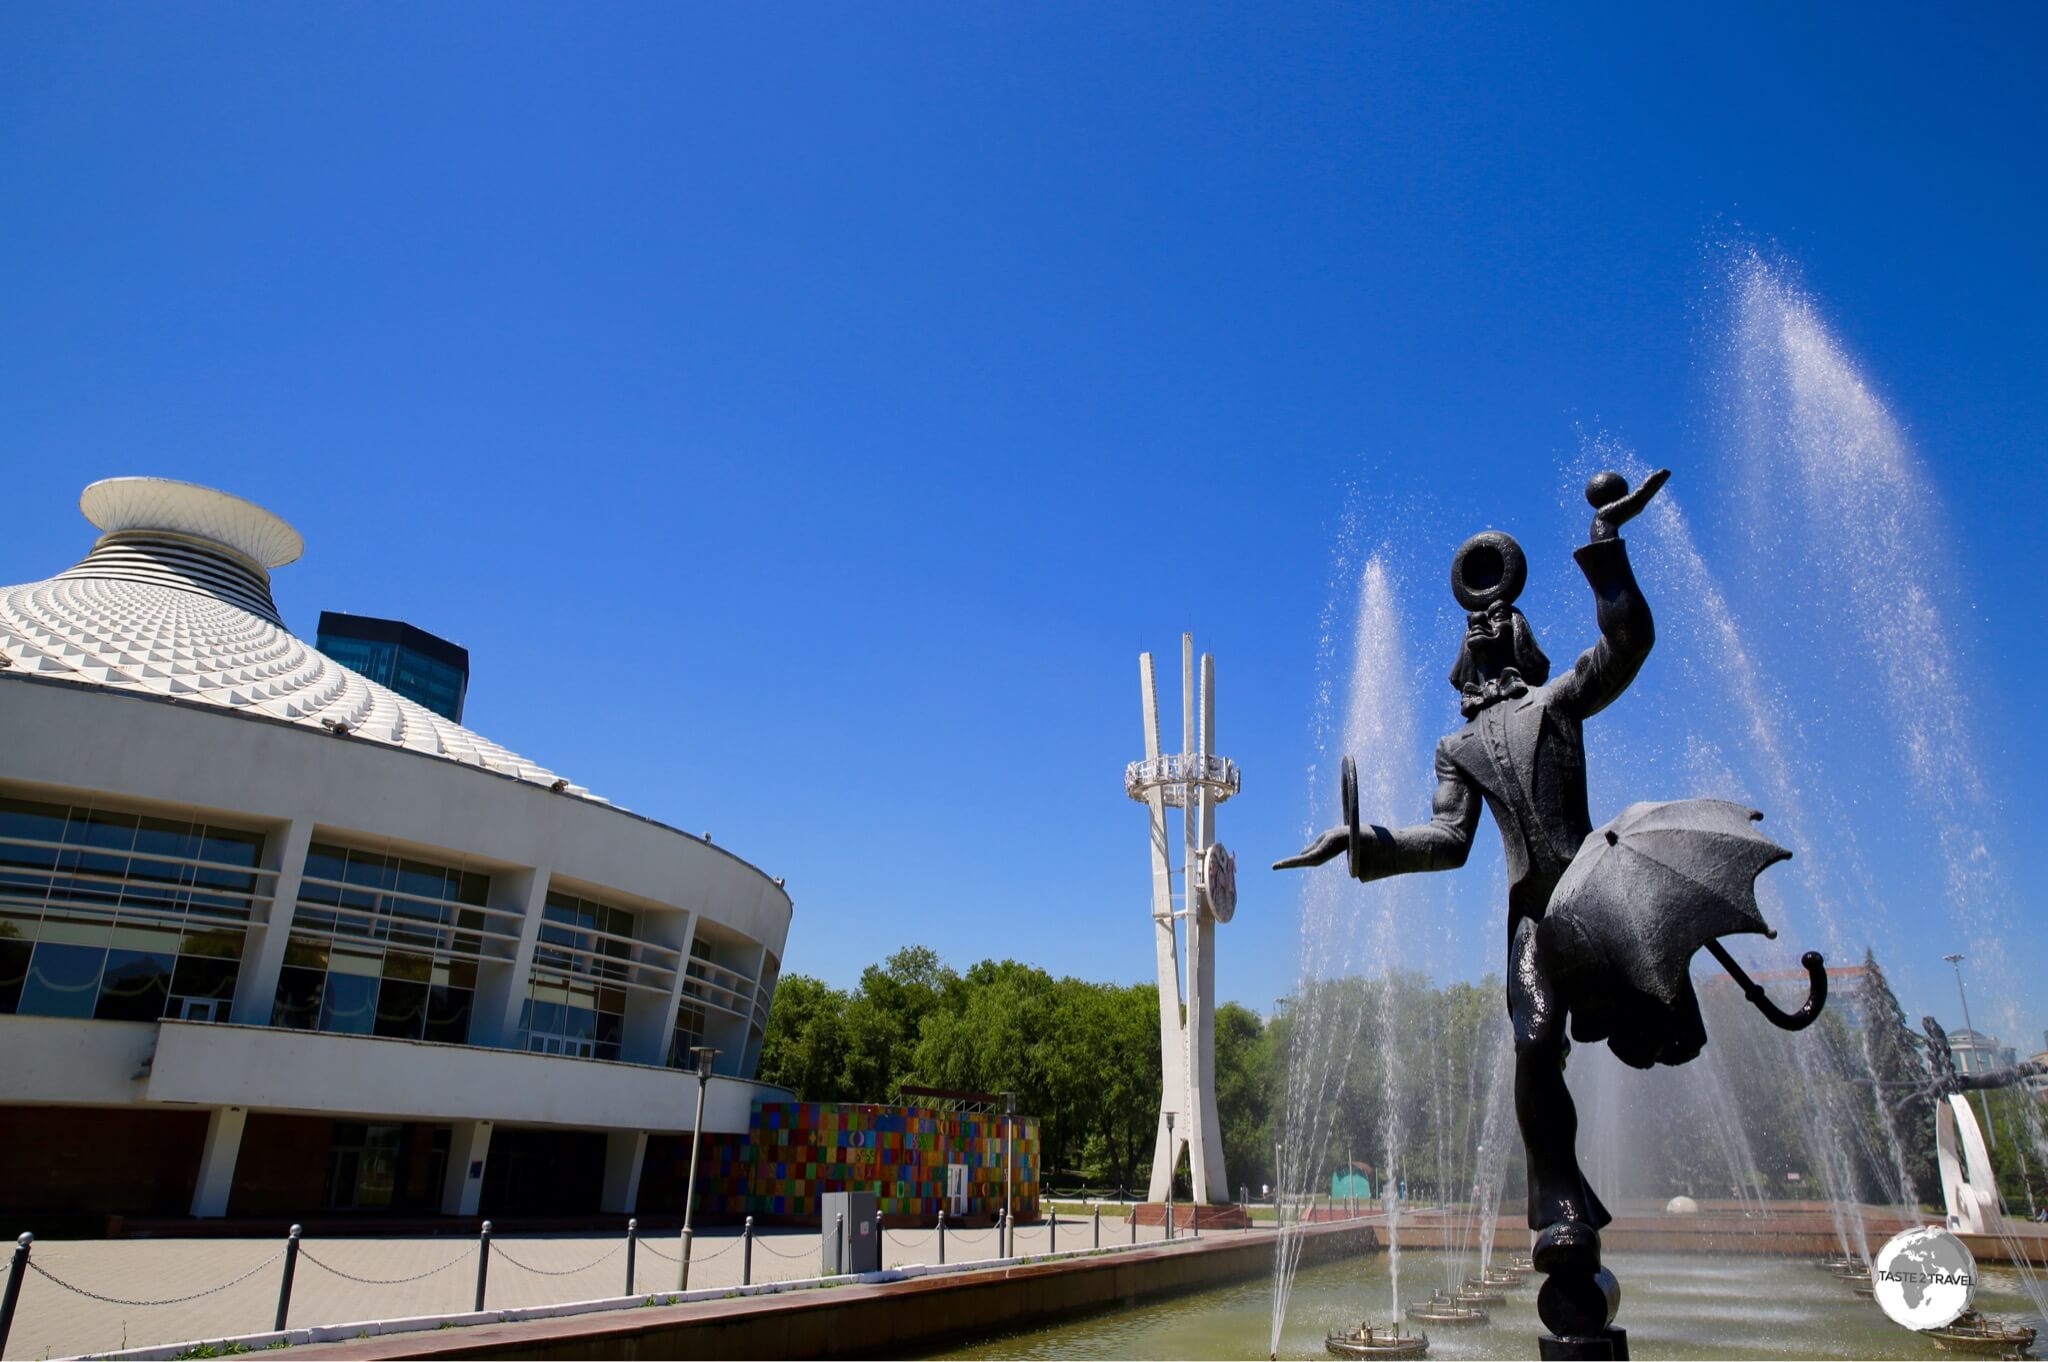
x=135, y=986
x=349, y=1004
x=99, y=909
x=63, y=980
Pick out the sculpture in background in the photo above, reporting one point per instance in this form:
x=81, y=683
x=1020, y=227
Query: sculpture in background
x=1969, y=1185
x=1602, y=924
x=1194, y=780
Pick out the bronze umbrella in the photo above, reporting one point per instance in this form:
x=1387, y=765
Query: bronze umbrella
x=1644, y=893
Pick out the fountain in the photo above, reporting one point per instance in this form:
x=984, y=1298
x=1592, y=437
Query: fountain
x=1370, y=1340
x=1836, y=501
x=1602, y=923
x=1807, y=421
x=1378, y=720
x=1444, y=1307
x=1984, y=1335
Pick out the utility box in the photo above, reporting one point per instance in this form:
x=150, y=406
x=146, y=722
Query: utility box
x=849, y=1239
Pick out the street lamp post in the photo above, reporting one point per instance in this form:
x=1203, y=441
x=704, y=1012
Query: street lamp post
x=1983, y=1103
x=1172, y=1171
x=1009, y=1168
x=705, y=1054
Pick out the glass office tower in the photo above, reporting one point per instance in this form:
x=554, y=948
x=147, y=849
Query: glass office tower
x=427, y=670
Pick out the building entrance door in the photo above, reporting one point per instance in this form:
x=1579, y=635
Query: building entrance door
x=956, y=1189
x=362, y=1166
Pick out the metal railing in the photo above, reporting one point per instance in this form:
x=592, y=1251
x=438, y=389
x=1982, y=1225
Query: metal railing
x=1173, y=772
x=1053, y=1235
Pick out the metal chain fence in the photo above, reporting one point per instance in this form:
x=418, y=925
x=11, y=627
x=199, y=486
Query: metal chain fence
x=385, y=1281
x=803, y=1248
x=53, y=1278
x=647, y=1246
x=769, y=1244
x=608, y=1254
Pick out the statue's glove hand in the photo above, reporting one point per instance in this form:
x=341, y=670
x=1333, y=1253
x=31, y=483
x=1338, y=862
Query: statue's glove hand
x=1614, y=505
x=1327, y=847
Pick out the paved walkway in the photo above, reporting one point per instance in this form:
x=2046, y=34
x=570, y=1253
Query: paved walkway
x=415, y=1276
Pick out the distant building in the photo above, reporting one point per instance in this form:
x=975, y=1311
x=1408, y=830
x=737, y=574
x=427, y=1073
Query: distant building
x=276, y=941
x=1845, y=988
x=1977, y=1053
x=429, y=671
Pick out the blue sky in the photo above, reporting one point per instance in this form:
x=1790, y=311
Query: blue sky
x=804, y=415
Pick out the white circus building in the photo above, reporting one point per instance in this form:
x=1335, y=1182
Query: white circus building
x=278, y=942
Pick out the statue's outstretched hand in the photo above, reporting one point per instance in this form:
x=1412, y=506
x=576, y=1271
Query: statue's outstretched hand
x=1329, y=846
x=1614, y=505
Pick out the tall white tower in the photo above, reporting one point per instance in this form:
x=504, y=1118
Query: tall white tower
x=1194, y=780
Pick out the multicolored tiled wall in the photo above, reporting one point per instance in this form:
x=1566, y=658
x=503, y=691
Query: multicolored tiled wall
x=795, y=1152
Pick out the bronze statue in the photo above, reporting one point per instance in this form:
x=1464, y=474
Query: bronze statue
x=1945, y=1080
x=1601, y=925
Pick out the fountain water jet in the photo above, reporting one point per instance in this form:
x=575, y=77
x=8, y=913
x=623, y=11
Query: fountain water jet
x=1806, y=417
x=1378, y=725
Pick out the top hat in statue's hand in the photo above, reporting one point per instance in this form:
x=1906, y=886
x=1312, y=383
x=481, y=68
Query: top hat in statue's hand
x=1343, y=840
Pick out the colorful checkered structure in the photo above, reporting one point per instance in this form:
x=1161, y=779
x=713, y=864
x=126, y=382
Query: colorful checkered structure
x=795, y=1152
x=724, y=1178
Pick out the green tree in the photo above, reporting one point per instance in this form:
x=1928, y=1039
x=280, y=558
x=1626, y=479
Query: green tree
x=805, y=1047
x=1243, y=1095
x=883, y=1017
x=1893, y=1056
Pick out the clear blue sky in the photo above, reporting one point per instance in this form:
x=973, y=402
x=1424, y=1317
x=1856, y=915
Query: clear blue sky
x=805, y=414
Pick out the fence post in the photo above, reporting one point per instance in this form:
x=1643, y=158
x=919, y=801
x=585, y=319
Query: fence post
x=1195, y=1219
x=16, y=1270
x=747, y=1252
x=632, y=1248
x=942, y=1236
x=483, y=1263
x=841, y=1250
x=291, y=1265
x=1169, y=1217
x=1098, y=1224
x=1052, y=1237
x=1133, y=1218
x=881, y=1240
x=1002, y=1234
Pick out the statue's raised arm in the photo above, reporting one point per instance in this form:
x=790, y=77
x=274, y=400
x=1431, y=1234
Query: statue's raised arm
x=1627, y=631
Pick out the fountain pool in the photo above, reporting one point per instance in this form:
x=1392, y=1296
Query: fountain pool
x=1676, y=1305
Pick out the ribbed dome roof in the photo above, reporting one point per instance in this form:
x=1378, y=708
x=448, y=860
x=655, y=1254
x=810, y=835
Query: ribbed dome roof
x=174, y=600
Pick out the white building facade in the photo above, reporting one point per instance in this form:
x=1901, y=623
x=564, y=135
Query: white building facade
x=276, y=941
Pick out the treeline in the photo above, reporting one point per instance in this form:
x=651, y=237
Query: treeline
x=1082, y=1057
x=1402, y=1063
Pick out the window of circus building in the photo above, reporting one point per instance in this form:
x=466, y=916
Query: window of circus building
x=385, y=945
x=122, y=916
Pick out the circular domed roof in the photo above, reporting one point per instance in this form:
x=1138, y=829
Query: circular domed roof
x=194, y=622
x=116, y=504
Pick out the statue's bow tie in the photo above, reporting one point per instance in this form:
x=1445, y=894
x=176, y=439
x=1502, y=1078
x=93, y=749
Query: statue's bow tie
x=1509, y=685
